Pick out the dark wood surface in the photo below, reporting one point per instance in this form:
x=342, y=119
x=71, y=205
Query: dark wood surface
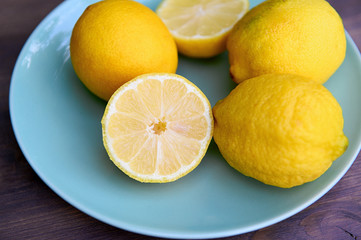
x=31, y=210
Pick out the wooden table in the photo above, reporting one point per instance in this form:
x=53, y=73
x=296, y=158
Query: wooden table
x=31, y=210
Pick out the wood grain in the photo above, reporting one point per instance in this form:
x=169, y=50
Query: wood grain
x=31, y=210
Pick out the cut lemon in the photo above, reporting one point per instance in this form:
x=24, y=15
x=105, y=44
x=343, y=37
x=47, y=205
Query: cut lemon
x=200, y=27
x=157, y=127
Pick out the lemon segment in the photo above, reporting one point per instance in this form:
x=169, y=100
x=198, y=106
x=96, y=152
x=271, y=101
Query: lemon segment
x=200, y=27
x=157, y=127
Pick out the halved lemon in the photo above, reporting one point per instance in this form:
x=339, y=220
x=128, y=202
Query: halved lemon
x=157, y=127
x=200, y=27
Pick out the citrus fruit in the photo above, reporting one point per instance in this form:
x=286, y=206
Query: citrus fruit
x=281, y=129
x=200, y=27
x=116, y=40
x=302, y=37
x=157, y=127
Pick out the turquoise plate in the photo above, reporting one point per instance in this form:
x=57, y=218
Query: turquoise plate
x=56, y=121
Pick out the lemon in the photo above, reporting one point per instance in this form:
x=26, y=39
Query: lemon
x=116, y=40
x=200, y=27
x=157, y=127
x=281, y=129
x=302, y=37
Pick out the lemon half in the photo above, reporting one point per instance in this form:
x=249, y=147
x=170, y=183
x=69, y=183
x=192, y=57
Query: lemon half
x=157, y=127
x=200, y=27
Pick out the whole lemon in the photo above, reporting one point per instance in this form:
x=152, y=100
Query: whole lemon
x=302, y=37
x=116, y=40
x=281, y=129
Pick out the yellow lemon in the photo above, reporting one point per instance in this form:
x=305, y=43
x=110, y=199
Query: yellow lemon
x=157, y=127
x=200, y=27
x=116, y=40
x=302, y=37
x=281, y=129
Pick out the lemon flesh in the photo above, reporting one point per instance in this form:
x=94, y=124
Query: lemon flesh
x=157, y=127
x=283, y=130
x=302, y=37
x=200, y=27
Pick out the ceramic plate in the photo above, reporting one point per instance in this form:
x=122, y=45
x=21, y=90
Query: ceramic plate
x=56, y=121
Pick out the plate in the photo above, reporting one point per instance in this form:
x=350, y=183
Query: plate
x=56, y=121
